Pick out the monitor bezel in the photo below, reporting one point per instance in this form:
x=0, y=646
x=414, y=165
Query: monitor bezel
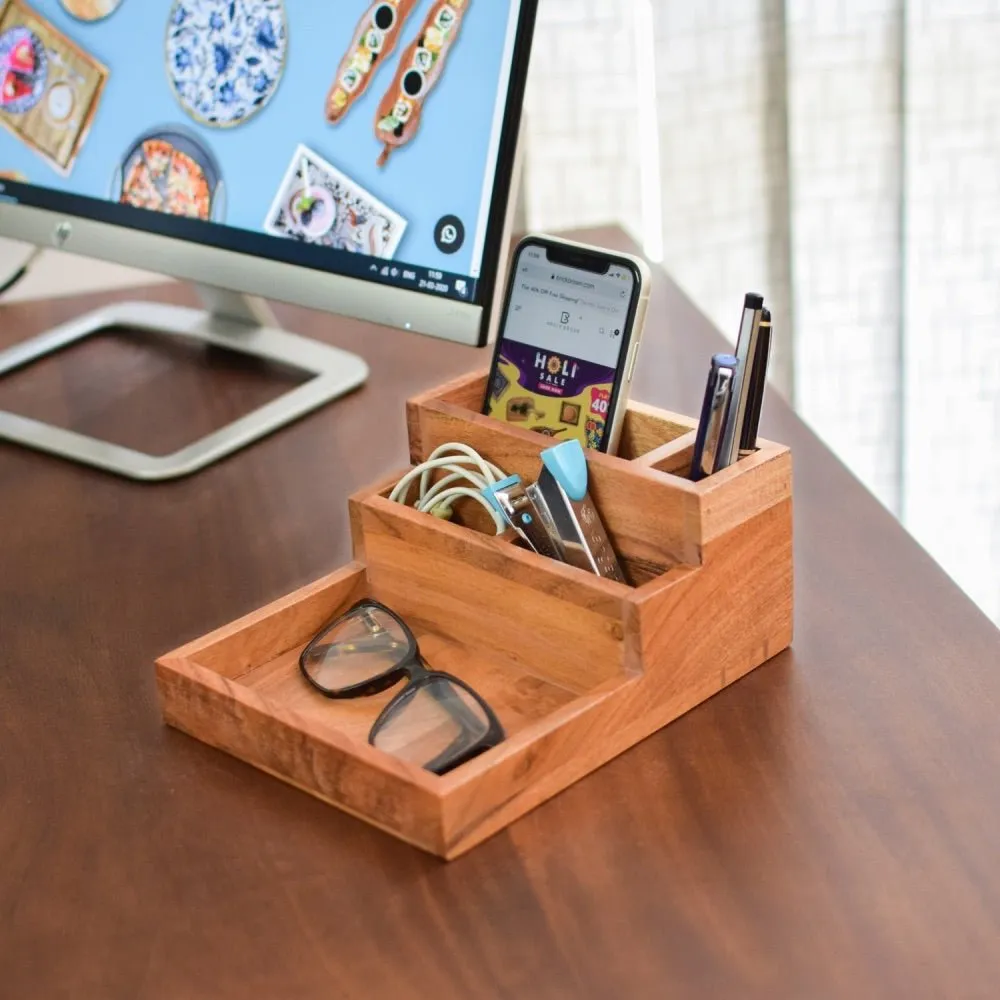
x=153, y=242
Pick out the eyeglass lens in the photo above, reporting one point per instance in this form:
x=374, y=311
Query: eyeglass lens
x=433, y=721
x=363, y=646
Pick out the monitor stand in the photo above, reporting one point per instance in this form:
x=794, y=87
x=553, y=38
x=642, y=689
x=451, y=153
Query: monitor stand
x=238, y=322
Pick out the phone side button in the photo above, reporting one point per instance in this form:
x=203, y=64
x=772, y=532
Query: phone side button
x=631, y=364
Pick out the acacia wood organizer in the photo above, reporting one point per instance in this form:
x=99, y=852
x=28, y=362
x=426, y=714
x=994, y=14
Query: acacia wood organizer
x=577, y=668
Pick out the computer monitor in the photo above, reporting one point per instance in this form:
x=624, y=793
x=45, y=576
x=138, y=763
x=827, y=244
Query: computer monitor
x=353, y=156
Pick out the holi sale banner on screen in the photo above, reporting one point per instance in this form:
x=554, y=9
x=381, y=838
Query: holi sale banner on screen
x=553, y=394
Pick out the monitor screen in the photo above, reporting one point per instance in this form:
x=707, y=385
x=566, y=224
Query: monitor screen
x=368, y=139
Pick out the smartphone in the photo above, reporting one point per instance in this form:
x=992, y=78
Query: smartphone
x=568, y=340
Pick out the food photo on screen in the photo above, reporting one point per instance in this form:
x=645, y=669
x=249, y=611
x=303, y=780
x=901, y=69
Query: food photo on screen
x=284, y=128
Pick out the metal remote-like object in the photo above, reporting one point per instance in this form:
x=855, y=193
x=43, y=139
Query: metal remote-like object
x=562, y=499
x=511, y=498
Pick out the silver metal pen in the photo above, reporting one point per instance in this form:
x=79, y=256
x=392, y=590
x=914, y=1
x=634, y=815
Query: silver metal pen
x=758, y=385
x=729, y=449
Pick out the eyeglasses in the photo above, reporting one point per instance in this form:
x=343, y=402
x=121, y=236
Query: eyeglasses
x=436, y=721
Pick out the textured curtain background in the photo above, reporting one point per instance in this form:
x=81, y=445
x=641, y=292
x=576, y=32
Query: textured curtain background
x=843, y=158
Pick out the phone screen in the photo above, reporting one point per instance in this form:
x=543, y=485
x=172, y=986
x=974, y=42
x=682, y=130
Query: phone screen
x=563, y=338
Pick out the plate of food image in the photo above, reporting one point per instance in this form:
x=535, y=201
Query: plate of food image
x=314, y=211
x=170, y=170
x=23, y=70
x=225, y=58
x=90, y=10
x=59, y=103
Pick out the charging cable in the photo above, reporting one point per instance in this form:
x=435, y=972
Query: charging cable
x=467, y=473
x=21, y=271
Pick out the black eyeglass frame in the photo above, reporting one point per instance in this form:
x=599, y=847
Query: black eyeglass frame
x=411, y=666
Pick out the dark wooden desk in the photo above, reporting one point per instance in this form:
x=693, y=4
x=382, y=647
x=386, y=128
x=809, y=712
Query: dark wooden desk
x=826, y=827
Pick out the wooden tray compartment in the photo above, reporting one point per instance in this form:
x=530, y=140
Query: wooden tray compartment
x=577, y=668
x=656, y=517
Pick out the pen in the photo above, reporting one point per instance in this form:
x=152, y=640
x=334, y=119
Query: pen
x=752, y=304
x=714, y=411
x=758, y=383
x=746, y=352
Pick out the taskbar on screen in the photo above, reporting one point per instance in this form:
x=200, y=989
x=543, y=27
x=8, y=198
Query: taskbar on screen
x=421, y=279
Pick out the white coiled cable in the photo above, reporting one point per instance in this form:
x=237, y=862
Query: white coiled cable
x=463, y=465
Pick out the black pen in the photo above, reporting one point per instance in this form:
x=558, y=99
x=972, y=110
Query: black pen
x=758, y=383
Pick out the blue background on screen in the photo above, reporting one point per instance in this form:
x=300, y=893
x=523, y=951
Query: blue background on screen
x=440, y=172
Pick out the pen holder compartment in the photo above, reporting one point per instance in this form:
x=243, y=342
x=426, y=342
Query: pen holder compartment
x=577, y=668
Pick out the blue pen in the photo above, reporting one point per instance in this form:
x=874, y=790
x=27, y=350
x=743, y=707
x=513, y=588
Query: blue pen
x=709, y=455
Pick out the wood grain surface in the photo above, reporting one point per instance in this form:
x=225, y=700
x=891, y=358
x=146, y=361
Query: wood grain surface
x=826, y=827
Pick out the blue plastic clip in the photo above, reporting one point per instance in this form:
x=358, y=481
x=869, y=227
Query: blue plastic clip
x=490, y=491
x=568, y=466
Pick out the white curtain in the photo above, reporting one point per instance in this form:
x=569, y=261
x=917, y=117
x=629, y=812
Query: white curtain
x=843, y=158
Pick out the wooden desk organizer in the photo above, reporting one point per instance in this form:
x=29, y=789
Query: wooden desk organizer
x=577, y=668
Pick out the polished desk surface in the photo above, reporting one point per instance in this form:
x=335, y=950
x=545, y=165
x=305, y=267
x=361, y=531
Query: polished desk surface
x=826, y=827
